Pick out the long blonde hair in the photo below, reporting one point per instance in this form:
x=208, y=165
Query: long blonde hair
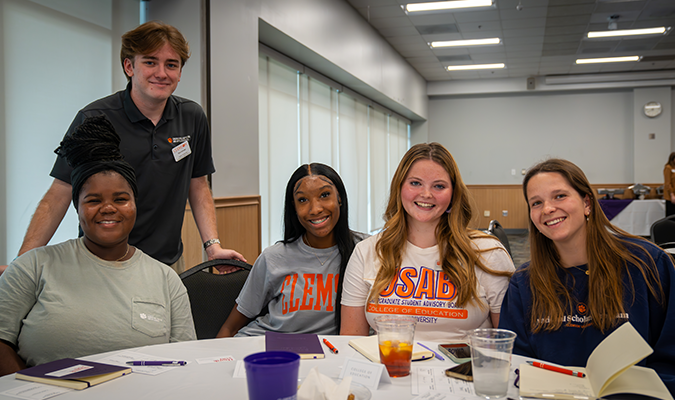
x=453, y=236
x=608, y=262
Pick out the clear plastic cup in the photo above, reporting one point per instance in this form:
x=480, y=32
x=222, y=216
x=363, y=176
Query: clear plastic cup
x=491, y=361
x=395, y=335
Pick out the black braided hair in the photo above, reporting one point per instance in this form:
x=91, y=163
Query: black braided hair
x=92, y=148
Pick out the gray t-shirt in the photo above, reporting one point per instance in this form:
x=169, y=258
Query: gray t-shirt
x=62, y=301
x=300, y=291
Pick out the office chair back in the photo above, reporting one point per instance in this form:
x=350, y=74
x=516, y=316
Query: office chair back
x=213, y=296
x=495, y=229
x=663, y=230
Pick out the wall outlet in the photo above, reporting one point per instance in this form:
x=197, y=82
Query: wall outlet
x=505, y=213
x=486, y=213
x=513, y=172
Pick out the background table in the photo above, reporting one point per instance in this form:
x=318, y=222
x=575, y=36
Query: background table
x=211, y=381
x=638, y=216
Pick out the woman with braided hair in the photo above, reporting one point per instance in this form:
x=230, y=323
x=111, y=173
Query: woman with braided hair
x=95, y=293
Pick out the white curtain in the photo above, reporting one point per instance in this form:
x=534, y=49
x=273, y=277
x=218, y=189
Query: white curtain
x=304, y=120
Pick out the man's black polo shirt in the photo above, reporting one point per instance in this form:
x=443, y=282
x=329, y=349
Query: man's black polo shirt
x=163, y=183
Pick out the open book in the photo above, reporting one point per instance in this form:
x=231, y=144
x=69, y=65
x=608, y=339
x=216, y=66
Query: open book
x=367, y=345
x=72, y=373
x=610, y=370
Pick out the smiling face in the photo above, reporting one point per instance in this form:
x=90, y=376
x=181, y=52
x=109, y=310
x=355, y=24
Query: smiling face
x=558, y=211
x=106, y=211
x=318, y=207
x=426, y=194
x=154, y=77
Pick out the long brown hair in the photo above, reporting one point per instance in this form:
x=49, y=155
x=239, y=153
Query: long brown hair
x=671, y=159
x=458, y=255
x=608, y=262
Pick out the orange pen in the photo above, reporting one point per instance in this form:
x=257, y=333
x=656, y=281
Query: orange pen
x=330, y=346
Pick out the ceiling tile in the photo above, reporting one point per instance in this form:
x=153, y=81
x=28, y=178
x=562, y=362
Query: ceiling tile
x=477, y=16
x=396, y=22
x=570, y=10
x=544, y=37
x=437, y=29
x=406, y=31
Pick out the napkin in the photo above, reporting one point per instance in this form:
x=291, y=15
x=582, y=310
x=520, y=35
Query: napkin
x=320, y=387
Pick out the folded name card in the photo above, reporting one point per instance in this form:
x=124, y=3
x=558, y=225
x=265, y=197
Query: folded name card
x=365, y=372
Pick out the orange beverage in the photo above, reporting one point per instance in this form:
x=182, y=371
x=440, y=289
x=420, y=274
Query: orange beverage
x=396, y=357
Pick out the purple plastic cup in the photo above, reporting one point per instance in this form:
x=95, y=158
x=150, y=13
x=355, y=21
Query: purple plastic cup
x=272, y=375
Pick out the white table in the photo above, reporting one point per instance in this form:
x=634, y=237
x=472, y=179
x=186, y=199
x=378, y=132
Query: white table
x=215, y=381
x=637, y=218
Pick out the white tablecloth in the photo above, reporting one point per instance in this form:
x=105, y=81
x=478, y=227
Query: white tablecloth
x=637, y=218
x=215, y=381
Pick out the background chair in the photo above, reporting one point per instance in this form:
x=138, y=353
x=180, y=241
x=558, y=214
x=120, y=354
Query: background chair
x=663, y=230
x=213, y=296
x=495, y=229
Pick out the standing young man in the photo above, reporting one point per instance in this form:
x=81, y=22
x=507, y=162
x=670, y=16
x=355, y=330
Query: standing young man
x=164, y=137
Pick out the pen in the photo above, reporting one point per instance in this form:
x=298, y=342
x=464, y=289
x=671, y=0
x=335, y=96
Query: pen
x=330, y=346
x=557, y=369
x=166, y=363
x=436, y=354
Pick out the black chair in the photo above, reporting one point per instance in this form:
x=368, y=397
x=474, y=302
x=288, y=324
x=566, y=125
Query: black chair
x=213, y=296
x=495, y=229
x=663, y=230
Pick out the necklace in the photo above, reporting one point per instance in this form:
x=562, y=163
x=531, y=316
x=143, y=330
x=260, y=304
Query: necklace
x=587, y=272
x=125, y=254
x=306, y=240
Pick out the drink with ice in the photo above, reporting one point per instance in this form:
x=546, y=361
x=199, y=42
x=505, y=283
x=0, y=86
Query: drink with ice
x=396, y=357
x=395, y=334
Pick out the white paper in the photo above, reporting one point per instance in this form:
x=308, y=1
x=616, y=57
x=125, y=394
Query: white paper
x=36, y=391
x=121, y=359
x=211, y=360
x=432, y=380
x=69, y=371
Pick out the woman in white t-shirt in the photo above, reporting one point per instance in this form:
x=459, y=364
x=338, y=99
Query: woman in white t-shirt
x=426, y=262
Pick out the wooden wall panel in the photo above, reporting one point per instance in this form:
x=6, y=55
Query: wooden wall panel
x=497, y=198
x=238, y=222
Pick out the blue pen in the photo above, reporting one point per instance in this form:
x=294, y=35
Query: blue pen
x=436, y=354
x=161, y=363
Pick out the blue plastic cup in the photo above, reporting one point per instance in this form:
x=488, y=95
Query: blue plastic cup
x=272, y=375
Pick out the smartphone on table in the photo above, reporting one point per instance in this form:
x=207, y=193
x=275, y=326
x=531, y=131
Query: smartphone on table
x=461, y=371
x=460, y=353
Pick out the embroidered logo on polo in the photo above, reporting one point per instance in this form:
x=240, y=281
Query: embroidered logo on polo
x=580, y=319
x=308, y=292
x=179, y=139
x=427, y=295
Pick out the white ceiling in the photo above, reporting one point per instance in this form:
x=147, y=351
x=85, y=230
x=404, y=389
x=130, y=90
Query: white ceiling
x=544, y=38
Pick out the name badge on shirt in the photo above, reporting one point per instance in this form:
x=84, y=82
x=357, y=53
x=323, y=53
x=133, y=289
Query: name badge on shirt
x=181, y=151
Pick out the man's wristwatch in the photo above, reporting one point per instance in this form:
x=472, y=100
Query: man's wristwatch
x=210, y=242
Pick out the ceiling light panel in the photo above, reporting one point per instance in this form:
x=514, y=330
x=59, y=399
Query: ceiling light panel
x=607, y=60
x=465, y=43
x=475, y=66
x=447, y=5
x=628, y=32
